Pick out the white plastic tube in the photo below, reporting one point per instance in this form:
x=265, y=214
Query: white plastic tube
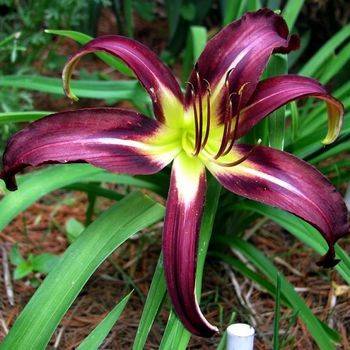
x=240, y=336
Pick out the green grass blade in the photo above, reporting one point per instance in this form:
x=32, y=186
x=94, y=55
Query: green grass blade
x=333, y=151
x=291, y=11
x=336, y=64
x=128, y=17
x=82, y=39
x=295, y=120
x=93, y=189
x=153, y=302
x=253, y=5
x=276, y=322
x=321, y=56
x=196, y=41
x=276, y=121
x=9, y=38
x=37, y=322
x=17, y=117
x=233, y=10
x=35, y=185
x=118, y=90
x=158, y=183
x=173, y=9
x=98, y=335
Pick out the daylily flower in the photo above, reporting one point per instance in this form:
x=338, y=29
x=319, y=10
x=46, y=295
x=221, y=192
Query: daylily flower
x=224, y=99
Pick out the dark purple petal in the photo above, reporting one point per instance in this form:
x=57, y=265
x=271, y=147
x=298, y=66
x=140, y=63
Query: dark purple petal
x=180, y=241
x=110, y=138
x=275, y=92
x=279, y=179
x=150, y=70
x=244, y=46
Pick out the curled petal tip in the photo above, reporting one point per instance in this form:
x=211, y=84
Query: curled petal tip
x=275, y=92
x=10, y=181
x=66, y=77
x=328, y=260
x=293, y=44
x=71, y=96
x=155, y=77
x=209, y=332
x=335, y=120
x=213, y=331
x=68, y=92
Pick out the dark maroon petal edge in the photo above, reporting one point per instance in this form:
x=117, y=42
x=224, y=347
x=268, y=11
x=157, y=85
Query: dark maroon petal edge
x=281, y=180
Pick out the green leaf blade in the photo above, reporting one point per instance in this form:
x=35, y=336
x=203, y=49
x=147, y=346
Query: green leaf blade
x=37, y=322
x=98, y=335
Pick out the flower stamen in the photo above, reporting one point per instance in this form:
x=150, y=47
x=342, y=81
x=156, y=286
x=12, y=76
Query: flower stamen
x=207, y=130
x=195, y=112
x=238, y=112
x=242, y=159
x=200, y=106
x=227, y=118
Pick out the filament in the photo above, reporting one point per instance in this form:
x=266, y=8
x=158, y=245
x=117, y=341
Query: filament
x=235, y=130
x=194, y=112
x=207, y=130
x=227, y=123
x=200, y=120
x=242, y=159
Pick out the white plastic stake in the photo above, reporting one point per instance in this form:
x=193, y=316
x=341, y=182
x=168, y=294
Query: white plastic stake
x=240, y=336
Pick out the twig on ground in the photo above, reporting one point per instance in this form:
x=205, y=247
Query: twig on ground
x=282, y=262
x=249, y=233
x=3, y=324
x=63, y=328
x=7, y=277
x=239, y=294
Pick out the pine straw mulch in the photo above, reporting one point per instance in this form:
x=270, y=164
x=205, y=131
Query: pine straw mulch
x=41, y=229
